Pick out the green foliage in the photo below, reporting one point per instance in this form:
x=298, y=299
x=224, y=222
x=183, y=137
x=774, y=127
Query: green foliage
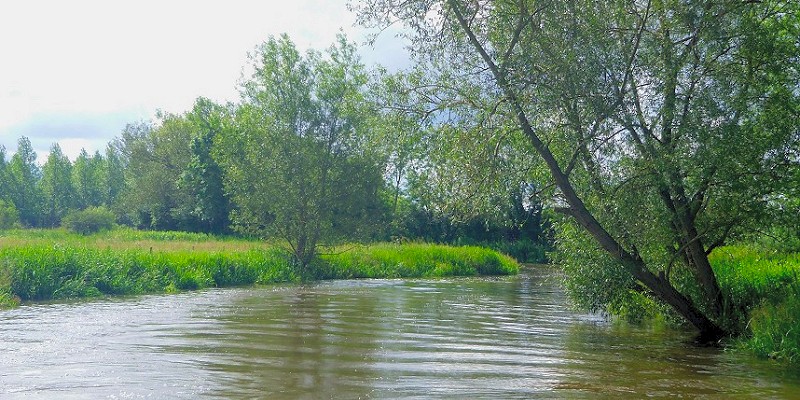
x=203, y=177
x=7, y=299
x=296, y=163
x=156, y=156
x=129, y=234
x=762, y=291
x=775, y=330
x=51, y=272
x=124, y=261
x=594, y=280
x=637, y=307
x=417, y=260
x=752, y=277
x=5, y=178
x=113, y=176
x=23, y=177
x=88, y=221
x=665, y=127
x=87, y=179
x=9, y=216
x=56, y=186
x=525, y=251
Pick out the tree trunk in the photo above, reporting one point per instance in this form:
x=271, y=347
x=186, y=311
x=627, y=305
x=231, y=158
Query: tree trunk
x=709, y=331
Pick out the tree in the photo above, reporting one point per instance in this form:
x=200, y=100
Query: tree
x=9, y=217
x=87, y=177
x=5, y=180
x=8, y=212
x=297, y=164
x=56, y=187
x=203, y=177
x=663, y=125
x=398, y=134
x=155, y=158
x=113, y=176
x=23, y=176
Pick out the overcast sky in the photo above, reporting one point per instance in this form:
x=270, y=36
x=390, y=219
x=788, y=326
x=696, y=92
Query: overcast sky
x=75, y=72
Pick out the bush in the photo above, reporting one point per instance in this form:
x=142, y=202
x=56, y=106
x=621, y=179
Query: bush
x=9, y=216
x=88, y=221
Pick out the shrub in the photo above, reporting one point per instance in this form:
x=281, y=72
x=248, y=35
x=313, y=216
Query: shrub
x=88, y=221
x=9, y=216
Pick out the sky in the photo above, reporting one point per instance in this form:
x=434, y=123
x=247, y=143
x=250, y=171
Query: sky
x=76, y=72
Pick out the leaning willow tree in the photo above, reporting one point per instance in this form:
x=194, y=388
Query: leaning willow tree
x=663, y=126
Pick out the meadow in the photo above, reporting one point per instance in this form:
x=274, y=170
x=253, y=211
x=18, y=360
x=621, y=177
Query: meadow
x=56, y=264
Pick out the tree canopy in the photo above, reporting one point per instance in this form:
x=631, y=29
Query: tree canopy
x=662, y=126
x=298, y=162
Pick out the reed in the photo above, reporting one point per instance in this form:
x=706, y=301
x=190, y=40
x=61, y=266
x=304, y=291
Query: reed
x=55, y=264
x=763, y=292
x=389, y=260
x=42, y=272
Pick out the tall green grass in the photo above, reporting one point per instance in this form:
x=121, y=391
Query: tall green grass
x=55, y=264
x=763, y=290
x=42, y=272
x=775, y=330
x=415, y=260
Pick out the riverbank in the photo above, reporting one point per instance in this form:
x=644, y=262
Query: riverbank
x=763, y=289
x=55, y=264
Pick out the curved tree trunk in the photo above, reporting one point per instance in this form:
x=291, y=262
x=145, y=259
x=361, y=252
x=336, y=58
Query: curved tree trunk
x=661, y=287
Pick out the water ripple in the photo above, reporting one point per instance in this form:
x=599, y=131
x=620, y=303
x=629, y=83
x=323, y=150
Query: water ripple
x=454, y=338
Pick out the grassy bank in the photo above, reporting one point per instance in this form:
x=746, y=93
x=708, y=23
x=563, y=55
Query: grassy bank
x=764, y=292
x=386, y=260
x=53, y=264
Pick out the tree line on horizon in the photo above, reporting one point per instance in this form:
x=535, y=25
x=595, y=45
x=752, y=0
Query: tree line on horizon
x=308, y=155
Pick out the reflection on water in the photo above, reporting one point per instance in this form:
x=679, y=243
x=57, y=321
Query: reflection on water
x=460, y=338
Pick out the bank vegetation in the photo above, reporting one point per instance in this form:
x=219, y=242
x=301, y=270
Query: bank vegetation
x=54, y=264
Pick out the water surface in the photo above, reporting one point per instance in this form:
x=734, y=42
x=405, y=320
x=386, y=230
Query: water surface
x=509, y=338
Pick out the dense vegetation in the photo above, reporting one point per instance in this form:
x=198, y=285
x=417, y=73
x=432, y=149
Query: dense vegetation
x=659, y=130
x=763, y=287
x=306, y=156
x=54, y=264
x=637, y=138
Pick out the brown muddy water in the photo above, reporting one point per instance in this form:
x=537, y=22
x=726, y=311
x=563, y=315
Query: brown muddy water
x=495, y=338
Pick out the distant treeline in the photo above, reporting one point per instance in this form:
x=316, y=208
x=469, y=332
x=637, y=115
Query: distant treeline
x=307, y=155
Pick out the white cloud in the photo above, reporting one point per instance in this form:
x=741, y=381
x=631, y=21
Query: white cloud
x=96, y=57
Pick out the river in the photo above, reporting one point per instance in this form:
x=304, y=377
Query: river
x=492, y=338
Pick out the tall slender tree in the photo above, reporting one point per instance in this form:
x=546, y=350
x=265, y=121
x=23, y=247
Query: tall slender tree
x=24, y=177
x=113, y=176
x=56, y=187
x=5, y=184
x=87, y=179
